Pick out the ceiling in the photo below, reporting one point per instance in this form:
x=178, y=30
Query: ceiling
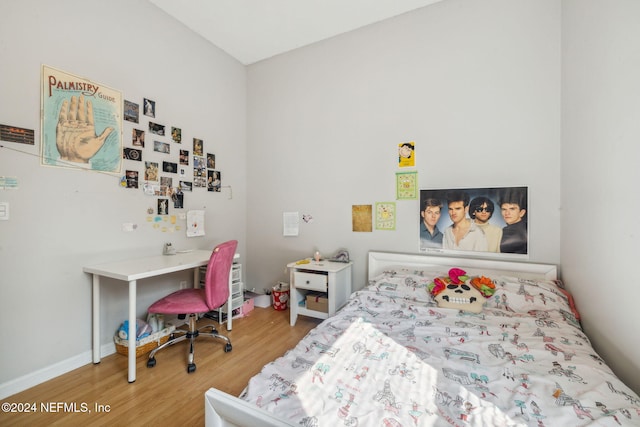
x=252, y=30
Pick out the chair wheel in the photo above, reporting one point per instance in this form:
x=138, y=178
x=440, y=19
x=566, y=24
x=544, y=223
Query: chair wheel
x=191, y=368
x=151, y=362
x=227, y=348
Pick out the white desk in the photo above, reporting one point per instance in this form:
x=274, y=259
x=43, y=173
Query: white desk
x=130, y=271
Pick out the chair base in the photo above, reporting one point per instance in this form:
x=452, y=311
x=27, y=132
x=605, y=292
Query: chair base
x=190, y=335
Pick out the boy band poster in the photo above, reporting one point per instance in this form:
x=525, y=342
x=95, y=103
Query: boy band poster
x=491, y=220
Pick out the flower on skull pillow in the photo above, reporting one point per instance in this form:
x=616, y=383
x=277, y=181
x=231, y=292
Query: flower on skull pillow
x=460, y=292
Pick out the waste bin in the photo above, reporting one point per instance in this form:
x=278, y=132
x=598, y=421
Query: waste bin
x=280, y=294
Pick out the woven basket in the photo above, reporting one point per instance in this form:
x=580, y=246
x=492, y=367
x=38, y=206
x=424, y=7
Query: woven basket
x=144, y=345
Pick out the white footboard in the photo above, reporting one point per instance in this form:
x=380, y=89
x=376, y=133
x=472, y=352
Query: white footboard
x=224, y=410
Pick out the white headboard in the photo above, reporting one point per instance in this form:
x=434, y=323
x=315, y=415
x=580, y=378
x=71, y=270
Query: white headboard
x=380, y=261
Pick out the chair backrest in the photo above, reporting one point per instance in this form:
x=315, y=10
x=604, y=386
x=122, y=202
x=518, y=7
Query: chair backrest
x=217, y=277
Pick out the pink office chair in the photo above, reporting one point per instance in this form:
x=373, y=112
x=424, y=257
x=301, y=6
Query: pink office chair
x=199, y=301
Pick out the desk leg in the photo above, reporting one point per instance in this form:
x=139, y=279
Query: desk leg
x=229, y=310
x=96, y=318
x=196, y=278
x=132, y=331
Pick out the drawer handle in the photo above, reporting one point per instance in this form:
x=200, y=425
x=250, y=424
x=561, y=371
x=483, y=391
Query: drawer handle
x=308, y=282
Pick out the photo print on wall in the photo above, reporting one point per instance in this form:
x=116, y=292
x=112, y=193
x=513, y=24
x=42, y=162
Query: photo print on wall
x=137, y=138
x=156, y=128
x=132, y=154
x=176, y=135
x=149, y=108
x=131, y=111
x=198, y=147
x=184, y=157
x=214, y=180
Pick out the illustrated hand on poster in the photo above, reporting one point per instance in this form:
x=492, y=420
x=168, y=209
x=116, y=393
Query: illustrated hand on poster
x=76, y=138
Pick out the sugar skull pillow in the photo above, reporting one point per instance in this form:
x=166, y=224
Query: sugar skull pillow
x=461, y=292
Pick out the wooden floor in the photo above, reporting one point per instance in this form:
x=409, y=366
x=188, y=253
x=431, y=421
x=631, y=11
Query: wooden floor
x=165, y=394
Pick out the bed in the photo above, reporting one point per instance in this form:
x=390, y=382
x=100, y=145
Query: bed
x=392, y=357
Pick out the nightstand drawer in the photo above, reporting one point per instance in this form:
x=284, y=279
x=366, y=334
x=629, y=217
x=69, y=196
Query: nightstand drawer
x=315, y=282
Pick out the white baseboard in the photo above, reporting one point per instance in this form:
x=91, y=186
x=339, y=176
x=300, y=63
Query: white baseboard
x=17, y=385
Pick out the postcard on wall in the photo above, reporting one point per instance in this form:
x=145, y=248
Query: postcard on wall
x=170, y=167
x=81, y=123
x=163, y=207
x=214, y=181
x=489, y=220
x=406, y=154
x=16, y=134
x=184, y=157
x=131, y=179
x=407, y=185
x=161, y=147
x=385, y=216
x=361, y=218
x=156, y=128
x=132, y=154
x=176, y=135
x=137, y=137
x=131, y=111
x=178, y=199
x=150, y=171
x=149, y=108
x=198, y=147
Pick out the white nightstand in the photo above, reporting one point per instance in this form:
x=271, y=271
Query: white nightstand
x=330, y=278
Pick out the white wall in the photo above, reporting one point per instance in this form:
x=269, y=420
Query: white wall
x=64, y=219
x=600, y=174
x=475, y=84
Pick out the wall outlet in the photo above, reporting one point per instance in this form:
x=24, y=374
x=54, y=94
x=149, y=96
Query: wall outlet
x=183, y=284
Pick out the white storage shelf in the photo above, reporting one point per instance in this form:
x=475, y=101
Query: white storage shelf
x=236, y=293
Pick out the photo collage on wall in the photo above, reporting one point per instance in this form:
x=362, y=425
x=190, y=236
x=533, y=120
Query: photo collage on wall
x=157, y=161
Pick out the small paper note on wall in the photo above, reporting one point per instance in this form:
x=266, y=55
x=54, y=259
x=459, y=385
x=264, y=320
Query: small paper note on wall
x=195, y=223
x=290, y=223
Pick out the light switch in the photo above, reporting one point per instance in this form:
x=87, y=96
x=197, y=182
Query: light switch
x=4, y=211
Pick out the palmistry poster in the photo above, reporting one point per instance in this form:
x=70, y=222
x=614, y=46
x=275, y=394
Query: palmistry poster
x=81, y=123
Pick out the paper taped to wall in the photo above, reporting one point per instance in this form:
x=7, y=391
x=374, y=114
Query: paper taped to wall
x=290, y=224
x=195, y=223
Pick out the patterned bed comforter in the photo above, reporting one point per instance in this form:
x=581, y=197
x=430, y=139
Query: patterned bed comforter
x=391, y=357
